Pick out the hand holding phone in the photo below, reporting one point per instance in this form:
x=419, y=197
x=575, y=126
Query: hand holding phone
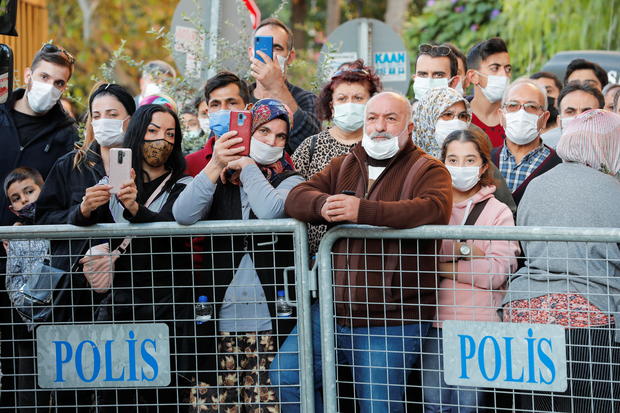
x=241, y=121
x=265, y=45
x=120, y=168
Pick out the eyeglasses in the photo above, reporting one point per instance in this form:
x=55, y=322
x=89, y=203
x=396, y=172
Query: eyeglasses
x=345, y=71
x=53, y=49
x=512, y=107
x=462, y=116
x=434, y=50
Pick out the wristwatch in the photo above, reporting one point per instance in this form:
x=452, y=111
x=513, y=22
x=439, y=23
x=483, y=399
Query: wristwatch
x=465, y=249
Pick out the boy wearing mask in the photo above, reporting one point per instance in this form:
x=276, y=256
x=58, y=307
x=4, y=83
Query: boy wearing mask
x=489, y=70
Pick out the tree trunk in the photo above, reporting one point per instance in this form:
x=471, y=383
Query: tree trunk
x=87, y=14
x=395, y=13
x=299, y=11
x=333, y=15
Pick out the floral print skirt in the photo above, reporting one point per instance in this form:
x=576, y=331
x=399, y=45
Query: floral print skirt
x=243, y=376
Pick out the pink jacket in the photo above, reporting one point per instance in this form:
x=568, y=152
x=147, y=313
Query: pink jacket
x=477, y=292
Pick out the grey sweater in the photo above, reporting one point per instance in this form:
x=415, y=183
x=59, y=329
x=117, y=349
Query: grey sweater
x=244, y=308
x=571, y=195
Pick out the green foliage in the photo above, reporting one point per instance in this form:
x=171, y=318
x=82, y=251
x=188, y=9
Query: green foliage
x=537, y=29
x=462, y=22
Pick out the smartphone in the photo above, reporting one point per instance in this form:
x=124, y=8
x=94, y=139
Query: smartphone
x=265, y=45
x=241, y=121
x=120, y=168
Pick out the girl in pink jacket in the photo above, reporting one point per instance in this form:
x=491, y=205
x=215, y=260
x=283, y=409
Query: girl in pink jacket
x=472, y=273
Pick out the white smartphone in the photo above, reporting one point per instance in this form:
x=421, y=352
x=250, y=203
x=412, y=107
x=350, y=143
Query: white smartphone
x=120, y=168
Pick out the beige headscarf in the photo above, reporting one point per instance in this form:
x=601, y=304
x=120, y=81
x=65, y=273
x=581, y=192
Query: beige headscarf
x=593, y=139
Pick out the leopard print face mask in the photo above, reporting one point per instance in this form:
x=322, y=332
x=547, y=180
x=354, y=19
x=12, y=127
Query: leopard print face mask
x=156, y=152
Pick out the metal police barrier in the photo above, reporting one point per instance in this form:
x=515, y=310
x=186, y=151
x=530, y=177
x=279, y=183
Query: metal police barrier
x=189, y=319
x=398, y=336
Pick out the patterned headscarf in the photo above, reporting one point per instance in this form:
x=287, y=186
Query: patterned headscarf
x=263, y=111
x=161, y=99
x=426, y=115
x=266, y=110
x=593, y=139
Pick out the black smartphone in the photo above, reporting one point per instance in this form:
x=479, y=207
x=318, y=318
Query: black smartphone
x=352, y=193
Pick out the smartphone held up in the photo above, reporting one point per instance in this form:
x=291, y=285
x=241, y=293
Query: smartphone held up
x=120, y=168
x=265, y=45
x=241, y=121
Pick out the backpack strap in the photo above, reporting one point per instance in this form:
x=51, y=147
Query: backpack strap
x=312, y=148
x=475, y=212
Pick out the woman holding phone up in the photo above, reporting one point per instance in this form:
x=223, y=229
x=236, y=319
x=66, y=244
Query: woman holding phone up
x=152, y=276
x=72, y=194
x=247, y=270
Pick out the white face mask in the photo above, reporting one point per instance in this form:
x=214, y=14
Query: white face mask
x=521, y=127
x=152, y=89
x=204, y=125
x=263, y=153
x=464, y=178
x=108, y=132
x=421, y=85
x=381, y=148
x=282, y=62
x=459, y=88
x=42, y=96
x=566, y=121
x=496, y=85
x=194, y=133
x=349, y=116
x=445, y=127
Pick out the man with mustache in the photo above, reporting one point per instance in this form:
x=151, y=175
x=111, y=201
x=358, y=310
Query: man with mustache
x=384, y=296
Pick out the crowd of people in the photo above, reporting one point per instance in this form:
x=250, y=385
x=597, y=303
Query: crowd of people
x=538, y=151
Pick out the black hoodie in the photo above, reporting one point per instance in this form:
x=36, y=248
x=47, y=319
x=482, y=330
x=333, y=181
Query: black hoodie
x=55, y=139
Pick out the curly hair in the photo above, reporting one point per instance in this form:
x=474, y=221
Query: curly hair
x=352, y=72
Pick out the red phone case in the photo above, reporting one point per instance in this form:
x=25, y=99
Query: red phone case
x=241, y=121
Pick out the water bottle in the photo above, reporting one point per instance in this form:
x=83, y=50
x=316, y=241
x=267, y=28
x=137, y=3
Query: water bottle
x=283, y=309
x=204, y=310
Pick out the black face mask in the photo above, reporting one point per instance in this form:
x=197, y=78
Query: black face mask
x=26, y=214
x=552, y=110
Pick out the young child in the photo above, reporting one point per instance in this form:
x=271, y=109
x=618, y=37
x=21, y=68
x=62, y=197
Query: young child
x=22, y=187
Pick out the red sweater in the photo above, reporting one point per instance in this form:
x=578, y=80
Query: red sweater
x=496, y=133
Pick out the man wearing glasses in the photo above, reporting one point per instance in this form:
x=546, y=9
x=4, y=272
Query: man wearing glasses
x=435, y=67
x=523, y=156
x=35, y=129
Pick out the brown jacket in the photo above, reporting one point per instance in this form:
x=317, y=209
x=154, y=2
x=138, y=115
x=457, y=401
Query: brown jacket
x=380, y=282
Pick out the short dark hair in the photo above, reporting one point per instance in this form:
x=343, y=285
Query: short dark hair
x=272, y=21
x=454, y=64
x=483, y=50
x=583, y=64
x=573, y=86
x=548, y=75
x=59, y=57
x=351, y=72
x=459, y=54
x=21, y=174
x=159, y=67
x=224, y=79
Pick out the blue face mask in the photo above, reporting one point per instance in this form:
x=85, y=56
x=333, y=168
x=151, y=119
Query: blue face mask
x=219, y=122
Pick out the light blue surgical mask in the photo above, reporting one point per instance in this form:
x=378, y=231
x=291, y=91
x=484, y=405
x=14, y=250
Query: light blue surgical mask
x=219, y=122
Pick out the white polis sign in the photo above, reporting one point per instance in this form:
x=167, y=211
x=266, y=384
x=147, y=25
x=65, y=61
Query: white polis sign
x=103, y=355
x=504, y=355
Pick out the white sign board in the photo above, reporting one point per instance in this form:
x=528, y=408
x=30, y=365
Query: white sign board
x=391, y=66
x=505, y=355
x=336, y=59
x=103, y=355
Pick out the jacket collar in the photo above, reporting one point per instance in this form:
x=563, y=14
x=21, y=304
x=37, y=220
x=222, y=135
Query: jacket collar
x=56, y=115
